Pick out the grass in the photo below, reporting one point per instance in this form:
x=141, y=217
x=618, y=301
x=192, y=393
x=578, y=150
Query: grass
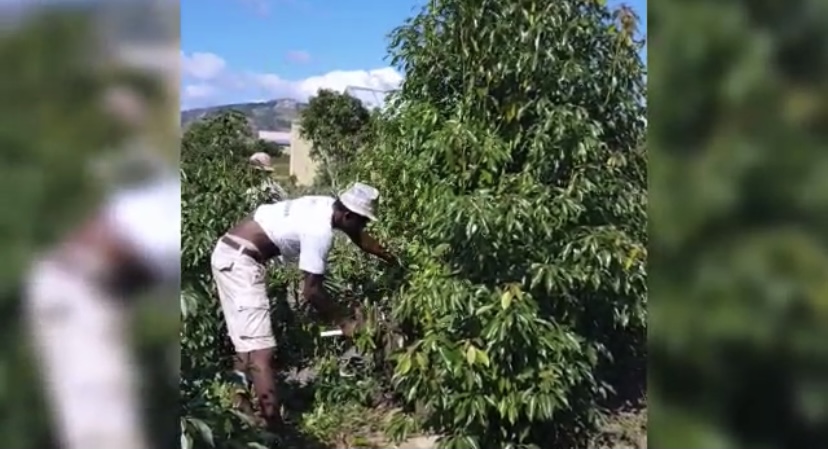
x=346, y=412
x=351, y=425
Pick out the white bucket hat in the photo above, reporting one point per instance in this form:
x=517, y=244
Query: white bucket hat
x=360, y=199
x=261, y=161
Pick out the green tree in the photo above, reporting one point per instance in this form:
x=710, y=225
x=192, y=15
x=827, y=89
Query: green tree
x=268, y=147
x=514, y=181
x=214, y=176
x=219, y=138
x=338, y=125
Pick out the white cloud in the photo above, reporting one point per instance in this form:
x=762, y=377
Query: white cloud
x=385, y=78
x=203, y=66
x=198, y=91
x=216, y=83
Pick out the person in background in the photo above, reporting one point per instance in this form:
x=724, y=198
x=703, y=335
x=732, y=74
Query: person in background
x=269, y=190
x=300, y=230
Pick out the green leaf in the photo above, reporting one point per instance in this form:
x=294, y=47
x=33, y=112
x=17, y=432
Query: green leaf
x=511, y=112
x=483, y=309
x=471, y=354
x=404, y=365
x=483, y=358
x=422, y=361
x=631, y=258
x=506, y=299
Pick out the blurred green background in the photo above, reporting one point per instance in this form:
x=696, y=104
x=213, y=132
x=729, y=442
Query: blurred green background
x=739, y=292
x=54, y=127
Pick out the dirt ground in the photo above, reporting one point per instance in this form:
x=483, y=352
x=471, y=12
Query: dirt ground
x=627, y=430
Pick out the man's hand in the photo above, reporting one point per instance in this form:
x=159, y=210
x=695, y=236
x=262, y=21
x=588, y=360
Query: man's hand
x=370, y=245
x=315, y=294
x=392, y=260
x=350, y=326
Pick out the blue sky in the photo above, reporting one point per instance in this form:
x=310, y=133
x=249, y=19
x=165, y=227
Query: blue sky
x=244, y=50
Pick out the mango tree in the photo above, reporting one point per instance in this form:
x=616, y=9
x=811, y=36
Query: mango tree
x=514, y=182
x=338, y=125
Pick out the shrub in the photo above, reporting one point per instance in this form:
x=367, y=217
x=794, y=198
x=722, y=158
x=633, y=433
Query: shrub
x=514, y=182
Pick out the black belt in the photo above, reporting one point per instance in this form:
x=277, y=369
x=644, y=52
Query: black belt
x=251, y=253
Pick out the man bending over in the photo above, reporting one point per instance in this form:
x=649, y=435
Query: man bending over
x=299, y=230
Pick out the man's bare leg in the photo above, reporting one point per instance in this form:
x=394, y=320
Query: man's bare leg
x=241, y=397
x=264, y=383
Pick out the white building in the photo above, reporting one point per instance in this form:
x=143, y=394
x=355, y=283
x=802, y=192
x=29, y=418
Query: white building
x=278, y=137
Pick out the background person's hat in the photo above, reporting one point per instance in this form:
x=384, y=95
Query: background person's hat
x=261, y=161
x=360, y=199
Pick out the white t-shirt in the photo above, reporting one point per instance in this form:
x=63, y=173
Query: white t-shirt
x=301, y=228
x=148, y=218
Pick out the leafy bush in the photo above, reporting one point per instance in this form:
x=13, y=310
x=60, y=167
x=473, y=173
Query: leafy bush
x=738, y=238
x=513, y=171
x=514, y=181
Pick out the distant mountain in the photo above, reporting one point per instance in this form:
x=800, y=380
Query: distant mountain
x=274, y=115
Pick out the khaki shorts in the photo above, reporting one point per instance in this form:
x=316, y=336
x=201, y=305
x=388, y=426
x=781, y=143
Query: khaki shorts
x=240, y=281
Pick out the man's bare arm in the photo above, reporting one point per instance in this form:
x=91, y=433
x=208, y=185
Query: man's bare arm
x=314, y=292
x=370, y=245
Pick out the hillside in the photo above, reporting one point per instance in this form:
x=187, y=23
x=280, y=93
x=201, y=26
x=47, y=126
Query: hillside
x=274, y=115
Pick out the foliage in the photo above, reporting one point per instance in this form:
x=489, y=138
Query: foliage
x=514, y=182
x=513, y=175
x=338, y=125
x=268, y=147
x=219, y=139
